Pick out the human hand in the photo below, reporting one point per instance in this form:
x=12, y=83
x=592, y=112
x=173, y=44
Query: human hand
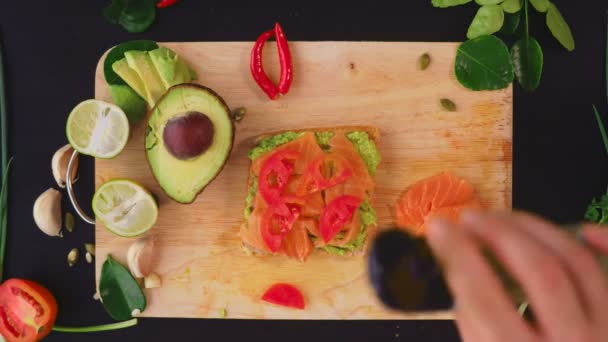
x=561, y=278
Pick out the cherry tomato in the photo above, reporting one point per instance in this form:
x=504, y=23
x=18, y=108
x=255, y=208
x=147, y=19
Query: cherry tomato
x=337, y=214
x=27, y=311
x=279, y=219
x=323, y=173
x=284, y=295
x=275, y=174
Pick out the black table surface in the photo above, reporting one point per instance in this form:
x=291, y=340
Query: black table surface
x=52, y=48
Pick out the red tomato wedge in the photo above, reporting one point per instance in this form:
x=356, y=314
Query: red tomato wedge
x=324, y=172
x=27, y=311
x=284, y=295
x=336, y=215
x=275, y=174
x=278, y=220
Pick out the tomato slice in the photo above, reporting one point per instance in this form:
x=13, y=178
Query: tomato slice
x=27, y=311
x=284, y=295
x=323, y=173
x=337, y=214
x=275, y=174
x=278, y=220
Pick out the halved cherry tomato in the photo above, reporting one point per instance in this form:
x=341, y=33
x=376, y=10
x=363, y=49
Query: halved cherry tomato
x=323, y=173
x=27, y=311
x=275, y=174
x=284, y=295
x=279, y=219
x=337, y=214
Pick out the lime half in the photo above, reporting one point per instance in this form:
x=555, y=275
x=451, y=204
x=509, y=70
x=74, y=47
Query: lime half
x=125, y=207
x=98, y=129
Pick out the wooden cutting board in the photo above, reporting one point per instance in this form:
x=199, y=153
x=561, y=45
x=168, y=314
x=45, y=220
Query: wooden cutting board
x=202, y=266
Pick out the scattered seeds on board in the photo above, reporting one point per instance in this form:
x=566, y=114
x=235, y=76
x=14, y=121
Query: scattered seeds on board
x=223, y=313
x=73, y=257
x=448, y=105
x=239, y=113
x=89, y=257
x=69, y=222
x=90, y=248
x=424, y=61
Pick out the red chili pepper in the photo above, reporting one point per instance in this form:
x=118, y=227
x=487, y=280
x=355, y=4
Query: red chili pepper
x=284, y=59
x=165, y=3
x=257, y=68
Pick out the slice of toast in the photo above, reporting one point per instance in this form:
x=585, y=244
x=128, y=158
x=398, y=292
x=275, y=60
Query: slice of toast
x=373, y=134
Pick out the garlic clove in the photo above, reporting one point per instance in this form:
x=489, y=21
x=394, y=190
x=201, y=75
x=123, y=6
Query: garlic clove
x=152, y=281
x=47, y=212
x=59, y=165
x=141, y=257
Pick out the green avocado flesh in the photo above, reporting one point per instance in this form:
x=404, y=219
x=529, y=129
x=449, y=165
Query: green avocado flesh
x=367, y=150
x=151, y=73
x=181, y=178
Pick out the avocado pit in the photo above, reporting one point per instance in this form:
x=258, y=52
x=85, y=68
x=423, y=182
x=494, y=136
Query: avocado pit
x=188, y=136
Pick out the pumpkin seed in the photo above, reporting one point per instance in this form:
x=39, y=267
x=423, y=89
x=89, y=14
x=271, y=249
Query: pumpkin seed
x=69, y=222
x=448, y=105
x=73, y=256
x=238, y=114
x=424, y=61
x=90, y=248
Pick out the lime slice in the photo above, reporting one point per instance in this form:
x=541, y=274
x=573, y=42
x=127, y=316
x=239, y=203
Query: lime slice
x=125, y=207
x=98, y=129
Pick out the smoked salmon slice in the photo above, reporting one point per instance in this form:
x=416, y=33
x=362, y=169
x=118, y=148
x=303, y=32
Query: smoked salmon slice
x=442, y=195
x=297, y=243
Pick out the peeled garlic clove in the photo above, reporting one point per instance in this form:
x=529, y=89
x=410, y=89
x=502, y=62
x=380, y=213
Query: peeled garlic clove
x=152, y=281
x=140, y=257
x=47, y=212
x=59, y=165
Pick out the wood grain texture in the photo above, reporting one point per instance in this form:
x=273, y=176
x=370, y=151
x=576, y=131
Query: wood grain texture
x=202, y=266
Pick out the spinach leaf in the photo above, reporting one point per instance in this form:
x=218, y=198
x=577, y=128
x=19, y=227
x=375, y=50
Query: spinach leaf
x=511, y=6
x=118, y=52
x=484, y=63
x=488, y=20
x=449, y=3
x=120, y=293
x=527, y=57
x=134, y=15
x=540, y=5
x=128, y=100
x=559, y=28
x=511, y=24
x=488, y=2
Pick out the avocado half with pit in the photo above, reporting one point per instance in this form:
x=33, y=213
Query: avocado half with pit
x=188, y=140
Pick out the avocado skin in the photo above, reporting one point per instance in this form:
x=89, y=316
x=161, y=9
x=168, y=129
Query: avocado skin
x=223, y=104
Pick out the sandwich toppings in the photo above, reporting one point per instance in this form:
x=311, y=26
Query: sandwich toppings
x=306, y=194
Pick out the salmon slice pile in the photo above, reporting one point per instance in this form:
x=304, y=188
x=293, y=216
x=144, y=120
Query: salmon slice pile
x=443, y=195
x=298, y=243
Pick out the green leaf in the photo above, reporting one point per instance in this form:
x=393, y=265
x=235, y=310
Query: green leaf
x=540, y=5
x=134, y=15
x=511, y=6
x=511, y=24
x=488, y=20
x=559, y=28
x=449, y=3
x=120, y=293
x=600, y=124
x=597, y=211
x=128, y=100
x=118, y=52
x=488, y=2
x=484, y=63
x=527, y=57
